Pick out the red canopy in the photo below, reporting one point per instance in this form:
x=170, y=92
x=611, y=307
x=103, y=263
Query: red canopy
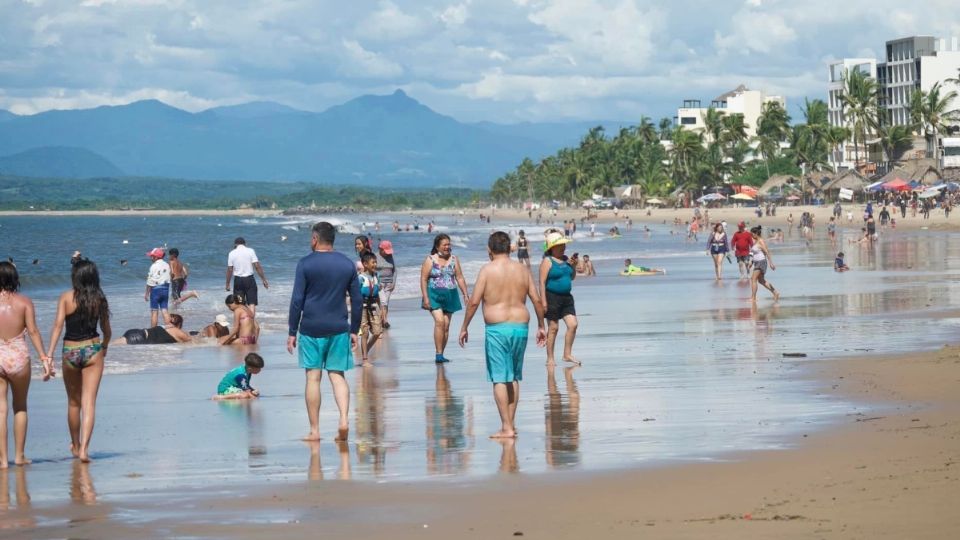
x=897, y=184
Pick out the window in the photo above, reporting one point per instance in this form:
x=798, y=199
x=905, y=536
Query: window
x=688, y=120
x=951, y=150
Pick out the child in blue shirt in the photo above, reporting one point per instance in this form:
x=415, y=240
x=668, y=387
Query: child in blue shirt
x=839, y=265
x=236, y=383
x=370, y=322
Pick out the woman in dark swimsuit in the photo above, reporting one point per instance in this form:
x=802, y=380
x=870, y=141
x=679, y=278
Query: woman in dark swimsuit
x=81, y=310
x=158, y=335
x=523, y=250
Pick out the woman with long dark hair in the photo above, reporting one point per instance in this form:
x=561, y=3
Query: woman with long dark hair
x=17, y=321
x=81, y=310
x=440, y=276
x=717, y=247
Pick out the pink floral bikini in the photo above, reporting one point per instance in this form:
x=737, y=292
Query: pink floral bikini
x=14, y=355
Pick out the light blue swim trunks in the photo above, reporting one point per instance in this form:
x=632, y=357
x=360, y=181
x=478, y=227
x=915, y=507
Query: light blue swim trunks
x=331, y=353
x=505, y=345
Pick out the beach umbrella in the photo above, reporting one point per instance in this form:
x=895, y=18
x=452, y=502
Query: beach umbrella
x=711, y=197
x=876, y=186
x=793, y=198
x=897, y=184
x=749, y=190
x=588, y=203
x=742, y=197
x=929, y=193
x=654, y=201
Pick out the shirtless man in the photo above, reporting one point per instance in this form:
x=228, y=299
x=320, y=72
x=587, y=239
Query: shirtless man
x=503, y=287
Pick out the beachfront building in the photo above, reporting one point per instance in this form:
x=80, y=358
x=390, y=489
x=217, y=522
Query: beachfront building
x=910, y=64
x=740, y=100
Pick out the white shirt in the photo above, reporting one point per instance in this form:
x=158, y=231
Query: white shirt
x=242, y=259
x=159, y=273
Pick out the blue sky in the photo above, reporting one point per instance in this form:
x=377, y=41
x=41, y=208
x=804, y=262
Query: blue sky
x=498, y=60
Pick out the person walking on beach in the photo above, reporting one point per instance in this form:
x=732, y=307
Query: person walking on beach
x=17, y=321
x=81, y=310
x=361, y=244
x=503, y=287
x=241, y=264
x=319, y=326
x=741, y=242
x=158, y=287
x=761, y=259
x=717, y=247
x=523, y=249
x=440, y=277
x=388, y=278
x=556, y=282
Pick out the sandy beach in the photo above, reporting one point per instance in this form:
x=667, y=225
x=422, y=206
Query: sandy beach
x=886, y=475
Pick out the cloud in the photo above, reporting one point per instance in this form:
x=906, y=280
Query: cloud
x=501, y=60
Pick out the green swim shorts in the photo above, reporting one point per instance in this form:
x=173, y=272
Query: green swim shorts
x=331, y=353
x=231, y=390
x=447, y=300
x=505, y=345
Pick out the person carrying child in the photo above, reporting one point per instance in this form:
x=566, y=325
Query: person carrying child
x=236, y=383
x=370, y=322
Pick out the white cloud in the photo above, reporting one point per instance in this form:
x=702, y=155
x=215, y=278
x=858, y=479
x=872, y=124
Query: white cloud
x=389, y=22
x=757, y=31
x=362, y=63
x=455, y=15
x=54, y=99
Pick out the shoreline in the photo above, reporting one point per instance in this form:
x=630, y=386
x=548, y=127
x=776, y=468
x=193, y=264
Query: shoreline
x=888, y=470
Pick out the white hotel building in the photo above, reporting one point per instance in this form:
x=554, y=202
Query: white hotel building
x=911, y=64
x=741, y=100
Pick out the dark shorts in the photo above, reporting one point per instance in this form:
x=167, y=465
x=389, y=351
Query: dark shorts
x=717, y=250
x=246, y=287
x=745, y=259
x=760, y=266
x=159, y=297
x=522, y=253
x=559, y=306
x=176, y=287
x=135, y=336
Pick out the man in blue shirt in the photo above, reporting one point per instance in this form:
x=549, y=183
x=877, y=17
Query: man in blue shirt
x=319, y=324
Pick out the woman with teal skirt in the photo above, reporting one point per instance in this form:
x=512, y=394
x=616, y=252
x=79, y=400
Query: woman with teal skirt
x=440, y=277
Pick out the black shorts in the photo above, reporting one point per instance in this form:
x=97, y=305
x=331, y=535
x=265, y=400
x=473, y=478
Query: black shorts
x=745, y=259
x=760, y=266
x=522, y=253
x=717, y=250
x=135, y=336
x=176, y=287
x=559, y=306
x=246, y=288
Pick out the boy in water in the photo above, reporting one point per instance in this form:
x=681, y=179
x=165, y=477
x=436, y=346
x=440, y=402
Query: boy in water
x=839, y=265
x=236, y=383
x=370, y=322
x=503, y=287
x=629, y=269
x=178, y=279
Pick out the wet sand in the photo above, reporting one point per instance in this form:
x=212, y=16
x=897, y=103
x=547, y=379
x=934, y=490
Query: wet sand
x=890, y=474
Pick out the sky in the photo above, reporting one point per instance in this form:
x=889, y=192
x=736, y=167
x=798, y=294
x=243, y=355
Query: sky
x=497, y=60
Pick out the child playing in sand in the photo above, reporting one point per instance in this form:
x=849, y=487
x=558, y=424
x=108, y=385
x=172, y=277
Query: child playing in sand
x=839, y=265
x=630, y=270
x=236, y=383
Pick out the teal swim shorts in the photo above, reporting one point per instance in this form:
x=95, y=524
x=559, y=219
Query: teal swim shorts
x=231, y=390
x=331, y=353
x=447, y=300
x=505, y=345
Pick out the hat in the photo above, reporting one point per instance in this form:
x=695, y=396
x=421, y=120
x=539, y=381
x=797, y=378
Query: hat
x=155, y=252
x=386, y=246
x=741, y=225
x=221, y=319
x=555, y=238
x=238, y=241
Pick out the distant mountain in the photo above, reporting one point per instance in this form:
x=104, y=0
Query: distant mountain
x=390, y=140
x=58, y=162
x=254, y=109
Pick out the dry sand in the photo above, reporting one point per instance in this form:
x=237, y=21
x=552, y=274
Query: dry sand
x=892, y=473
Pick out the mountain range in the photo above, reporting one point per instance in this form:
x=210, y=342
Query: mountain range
x=387, y=140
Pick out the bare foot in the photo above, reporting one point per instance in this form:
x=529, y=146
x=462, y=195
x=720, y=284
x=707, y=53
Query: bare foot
x=343, y=433
x=84, y=456
x=776, y=296
x=74, y=450
x=312, y=436
x=22, y=461
x=3, y=464
x=550, y=362
x=573, y=360
x=504, y=434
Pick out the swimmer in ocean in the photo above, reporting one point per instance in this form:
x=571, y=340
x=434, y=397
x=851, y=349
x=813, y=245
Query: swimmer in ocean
x=629, y=269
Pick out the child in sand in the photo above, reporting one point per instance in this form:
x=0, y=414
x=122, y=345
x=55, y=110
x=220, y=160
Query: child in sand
x=236, y=383
x=839, y=265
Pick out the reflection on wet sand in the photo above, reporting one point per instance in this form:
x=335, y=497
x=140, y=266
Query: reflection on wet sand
x=19, y=516
x=370, y=420
x=562, y=421
x=246, y=414
x=315, y=469
x=81, y=484
x=450, y=437
x=508, y=456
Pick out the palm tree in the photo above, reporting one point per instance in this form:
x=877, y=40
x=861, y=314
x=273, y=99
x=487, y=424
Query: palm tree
x=859, y=101
x=835, y=136
x=895, y=140
x=713, y=124
x=646, y=131
x=773, y=126
x=931, y=113
x=687, y=148
x=666, y=129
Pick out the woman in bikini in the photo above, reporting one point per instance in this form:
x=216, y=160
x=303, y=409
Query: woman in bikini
x=17, y=320
x=523, y=249
x=81, y=310
x=245, y=327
